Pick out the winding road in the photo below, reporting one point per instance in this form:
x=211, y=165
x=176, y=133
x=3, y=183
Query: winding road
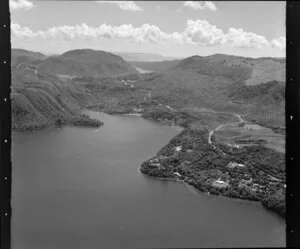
x=241, y=120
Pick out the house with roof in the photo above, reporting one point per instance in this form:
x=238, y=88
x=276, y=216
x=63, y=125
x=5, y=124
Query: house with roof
x=177, y=174
x=178, y=148
x=220, y=184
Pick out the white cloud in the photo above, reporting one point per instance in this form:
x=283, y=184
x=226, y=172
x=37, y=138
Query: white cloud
x=158, y=7
x=198, y=32
x=124, y=5
x=200, y=5
x=240, y=38
x=20, y=4
x=279, y=42
x=201, y=32
x=145, y=33
x=22, y=32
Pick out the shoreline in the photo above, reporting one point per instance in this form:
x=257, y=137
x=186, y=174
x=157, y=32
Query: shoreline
x=133, y=114
x=169, y=123
x=211, y=195
x=52, y=126
x=160, y=164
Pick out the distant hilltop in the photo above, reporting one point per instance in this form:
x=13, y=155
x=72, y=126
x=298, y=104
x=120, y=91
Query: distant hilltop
x=83, y=62
x=130, y=56
x=50, y=89
x=254, y=70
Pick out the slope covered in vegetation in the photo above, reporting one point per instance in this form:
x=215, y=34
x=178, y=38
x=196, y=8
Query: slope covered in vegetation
x=40, y=100
x=21, y=56
x=190, y=158
x=86, y=62
x=157, y=66
x=215, y=82
x=198, y=93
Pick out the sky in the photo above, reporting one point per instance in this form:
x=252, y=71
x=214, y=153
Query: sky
x=169, y=28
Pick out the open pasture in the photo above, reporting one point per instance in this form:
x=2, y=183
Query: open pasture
x=250, y=134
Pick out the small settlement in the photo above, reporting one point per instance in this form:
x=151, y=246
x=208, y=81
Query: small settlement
x=233, y=176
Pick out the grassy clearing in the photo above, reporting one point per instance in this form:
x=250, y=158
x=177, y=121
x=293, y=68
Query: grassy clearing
x=250, y=134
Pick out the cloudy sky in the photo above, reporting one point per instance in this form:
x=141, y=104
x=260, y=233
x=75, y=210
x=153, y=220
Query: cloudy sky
x=178, y=28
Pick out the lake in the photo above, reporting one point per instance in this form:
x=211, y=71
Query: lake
x=81, y=188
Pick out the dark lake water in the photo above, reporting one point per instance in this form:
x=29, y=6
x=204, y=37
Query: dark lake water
x=80, y=188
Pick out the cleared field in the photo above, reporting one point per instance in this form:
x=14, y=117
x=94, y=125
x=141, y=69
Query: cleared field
x=140, y=70
x=266, y=70
x=251, y=134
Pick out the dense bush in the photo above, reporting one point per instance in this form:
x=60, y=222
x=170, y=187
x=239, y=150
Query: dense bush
x=203, y=164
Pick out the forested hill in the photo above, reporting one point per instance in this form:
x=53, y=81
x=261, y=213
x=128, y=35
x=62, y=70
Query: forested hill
x=22, y=56
x=157, y=66
x=40, y=100
x=87, y=62
x=85, y=78
x=17, y=52
x=78, y=62
x=255, y=71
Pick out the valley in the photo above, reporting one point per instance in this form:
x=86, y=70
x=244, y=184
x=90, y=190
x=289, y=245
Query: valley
x=218, y=100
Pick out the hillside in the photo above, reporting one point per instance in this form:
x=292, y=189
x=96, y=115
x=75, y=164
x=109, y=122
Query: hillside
x=86, y=62
x=191, y=85
x=209, y=96
x=265, y=70
x=40, y=100
x=186, y=91
x=253, y=71
x=215, y=66
x=22, y=56
x=22, y=52
x=255, y=93
x=157, y=66
x=199, y=104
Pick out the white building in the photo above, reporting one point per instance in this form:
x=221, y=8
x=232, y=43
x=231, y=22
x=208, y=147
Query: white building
x=234, y=164
x=178, y=148
x=176, y=173
x=220, y=184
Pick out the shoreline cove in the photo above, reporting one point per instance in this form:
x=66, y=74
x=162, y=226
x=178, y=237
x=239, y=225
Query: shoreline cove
x=213, y=193
x=182, y=129
x=98, y=174
x=260, y=202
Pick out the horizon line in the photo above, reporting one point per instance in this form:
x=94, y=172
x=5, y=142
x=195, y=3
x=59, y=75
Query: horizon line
x=175, y=57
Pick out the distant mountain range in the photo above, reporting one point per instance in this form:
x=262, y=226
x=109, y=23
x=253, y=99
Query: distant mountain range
x=17, y=52
x=198, y=93
x=259, y=70
x=46, y=89
x=155, y=66
x=22, y=56
x=81, y=62
x=40, y=94
x=130, y=56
